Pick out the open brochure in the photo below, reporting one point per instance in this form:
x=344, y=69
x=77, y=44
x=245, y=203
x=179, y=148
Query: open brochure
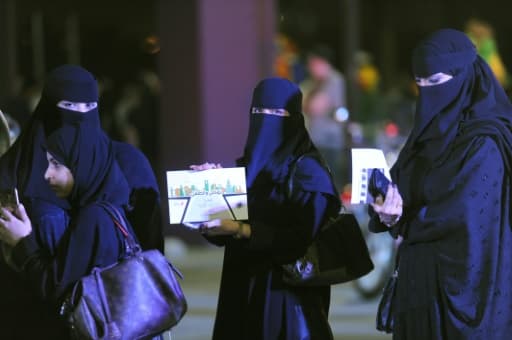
x=198, y=196
x=363, y=160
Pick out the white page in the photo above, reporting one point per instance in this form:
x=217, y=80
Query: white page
x=198, y=196
x=363, y=160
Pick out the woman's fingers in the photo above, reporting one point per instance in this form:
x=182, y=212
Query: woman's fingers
x=22, y=213
x=205, y=166
x=6, y=215
x=392, y=205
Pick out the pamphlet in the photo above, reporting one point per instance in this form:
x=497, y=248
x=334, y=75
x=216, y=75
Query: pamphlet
x=198, y=196
x=362, y=161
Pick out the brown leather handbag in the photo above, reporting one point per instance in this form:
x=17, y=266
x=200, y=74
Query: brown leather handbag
x=136, y=298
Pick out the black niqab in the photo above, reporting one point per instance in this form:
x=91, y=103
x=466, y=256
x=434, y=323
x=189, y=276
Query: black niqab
x=276, y=140
x=472, y=103
x=24, y=164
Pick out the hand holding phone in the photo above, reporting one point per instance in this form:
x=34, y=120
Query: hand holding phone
x=9, y=199
x=378, y=183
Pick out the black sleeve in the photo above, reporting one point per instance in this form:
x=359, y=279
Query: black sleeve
x=288, y=242
x=146, y=218
x=91, y=241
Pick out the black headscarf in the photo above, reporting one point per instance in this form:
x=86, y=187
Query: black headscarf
x=275, y=140
x=471, y=104
x=89, y=155
x=25, y=162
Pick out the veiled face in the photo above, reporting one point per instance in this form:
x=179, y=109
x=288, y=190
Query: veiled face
x=59, y=177
x=77, y=106
x=433, y=79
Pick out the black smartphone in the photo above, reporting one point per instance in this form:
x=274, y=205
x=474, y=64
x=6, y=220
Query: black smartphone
x=378, y=183
x=9, y=199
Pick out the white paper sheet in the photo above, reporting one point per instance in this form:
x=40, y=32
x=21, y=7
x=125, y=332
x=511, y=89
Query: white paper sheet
x=362, y=161
x=198, y=196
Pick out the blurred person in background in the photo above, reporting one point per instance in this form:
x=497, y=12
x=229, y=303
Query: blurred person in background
x=451, y=199
x=482, y=35
x=324, y=92
x=323, y=76
x=254, y=301
x=326, y=133
x=371, y=110
x=287, y=63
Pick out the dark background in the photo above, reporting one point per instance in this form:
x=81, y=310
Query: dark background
x=209, y=54
x=113, y=32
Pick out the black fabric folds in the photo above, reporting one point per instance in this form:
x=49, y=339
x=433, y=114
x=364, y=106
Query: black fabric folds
x=274, y=141
x=24, y=163
x=472, y=103
x=89, y=154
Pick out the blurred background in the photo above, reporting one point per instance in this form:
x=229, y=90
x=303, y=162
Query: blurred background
x=176, y=78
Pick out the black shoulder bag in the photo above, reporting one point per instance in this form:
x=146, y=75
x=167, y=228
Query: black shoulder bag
x=338, y=253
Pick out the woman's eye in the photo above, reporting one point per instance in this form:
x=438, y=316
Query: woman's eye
x=434, y=80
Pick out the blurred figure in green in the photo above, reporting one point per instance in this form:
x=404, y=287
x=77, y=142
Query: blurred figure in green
x=370, y=111
x=482, y=35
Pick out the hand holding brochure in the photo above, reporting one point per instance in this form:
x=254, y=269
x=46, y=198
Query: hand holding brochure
x=199, y=196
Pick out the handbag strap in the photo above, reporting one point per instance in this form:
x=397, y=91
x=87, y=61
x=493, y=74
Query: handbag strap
x=131, y=244
x=293, y=170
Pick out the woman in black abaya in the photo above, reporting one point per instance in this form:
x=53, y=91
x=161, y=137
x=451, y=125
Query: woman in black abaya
x=23, y=166
x=82, y=170
x=453, y=177
x=254, y=302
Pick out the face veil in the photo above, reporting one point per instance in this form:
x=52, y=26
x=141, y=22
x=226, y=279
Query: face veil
x=276, y=127
x=23, y=165
x=440, y=107
x=471, y=104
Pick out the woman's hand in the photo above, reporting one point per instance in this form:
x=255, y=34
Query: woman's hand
x=206, y=166
x=218, y=227
x=14, y=226
x=390, y=210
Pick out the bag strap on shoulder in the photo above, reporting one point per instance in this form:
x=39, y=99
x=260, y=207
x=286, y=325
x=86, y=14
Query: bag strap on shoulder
x=131, y=244
x=293, y=169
